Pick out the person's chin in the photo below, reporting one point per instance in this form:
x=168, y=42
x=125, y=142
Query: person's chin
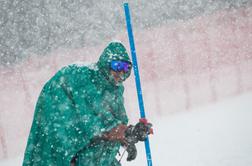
x=119, y=82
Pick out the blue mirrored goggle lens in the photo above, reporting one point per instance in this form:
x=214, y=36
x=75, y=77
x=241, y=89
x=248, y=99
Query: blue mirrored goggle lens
x=120, y=66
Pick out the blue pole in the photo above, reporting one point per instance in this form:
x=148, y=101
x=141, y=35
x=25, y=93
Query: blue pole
x=137, y=78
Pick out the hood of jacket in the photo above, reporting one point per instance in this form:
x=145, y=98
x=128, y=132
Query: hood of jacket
x=114, y=51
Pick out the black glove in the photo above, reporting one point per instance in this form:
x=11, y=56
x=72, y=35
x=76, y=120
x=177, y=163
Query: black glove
x=139, y=132
x=136, y=133
x=132, y=152
x=142, y=130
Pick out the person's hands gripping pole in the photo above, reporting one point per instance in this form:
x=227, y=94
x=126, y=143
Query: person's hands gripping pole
x=128, y=136
x=136, y=133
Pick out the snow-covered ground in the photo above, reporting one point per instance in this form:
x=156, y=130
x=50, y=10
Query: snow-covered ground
x=219, y=134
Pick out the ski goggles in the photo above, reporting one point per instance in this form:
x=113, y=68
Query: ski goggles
x=119, y=66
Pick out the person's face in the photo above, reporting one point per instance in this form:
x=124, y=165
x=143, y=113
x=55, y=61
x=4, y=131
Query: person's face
x=117, y=75
x=119, y=70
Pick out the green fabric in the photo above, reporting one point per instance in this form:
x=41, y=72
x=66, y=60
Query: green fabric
x=74, y=108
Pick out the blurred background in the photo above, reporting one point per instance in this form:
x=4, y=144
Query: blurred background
x=192, y=54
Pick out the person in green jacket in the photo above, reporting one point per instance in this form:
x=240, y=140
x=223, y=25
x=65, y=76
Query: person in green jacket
x=80, y=117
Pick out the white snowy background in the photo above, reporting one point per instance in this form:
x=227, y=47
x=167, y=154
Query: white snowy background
x=195, y=62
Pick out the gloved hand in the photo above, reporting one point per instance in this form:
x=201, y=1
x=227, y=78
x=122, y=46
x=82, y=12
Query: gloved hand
x=139, y=132
x=118, y=134
x=129, y=136
x=136, y=133
x=132, y=152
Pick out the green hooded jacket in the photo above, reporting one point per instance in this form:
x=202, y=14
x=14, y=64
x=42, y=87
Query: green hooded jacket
x=74, y=108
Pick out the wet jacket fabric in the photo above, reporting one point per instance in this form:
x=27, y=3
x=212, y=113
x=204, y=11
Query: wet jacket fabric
x=74, y=108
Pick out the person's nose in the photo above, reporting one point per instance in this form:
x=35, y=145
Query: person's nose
x=121, y=72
